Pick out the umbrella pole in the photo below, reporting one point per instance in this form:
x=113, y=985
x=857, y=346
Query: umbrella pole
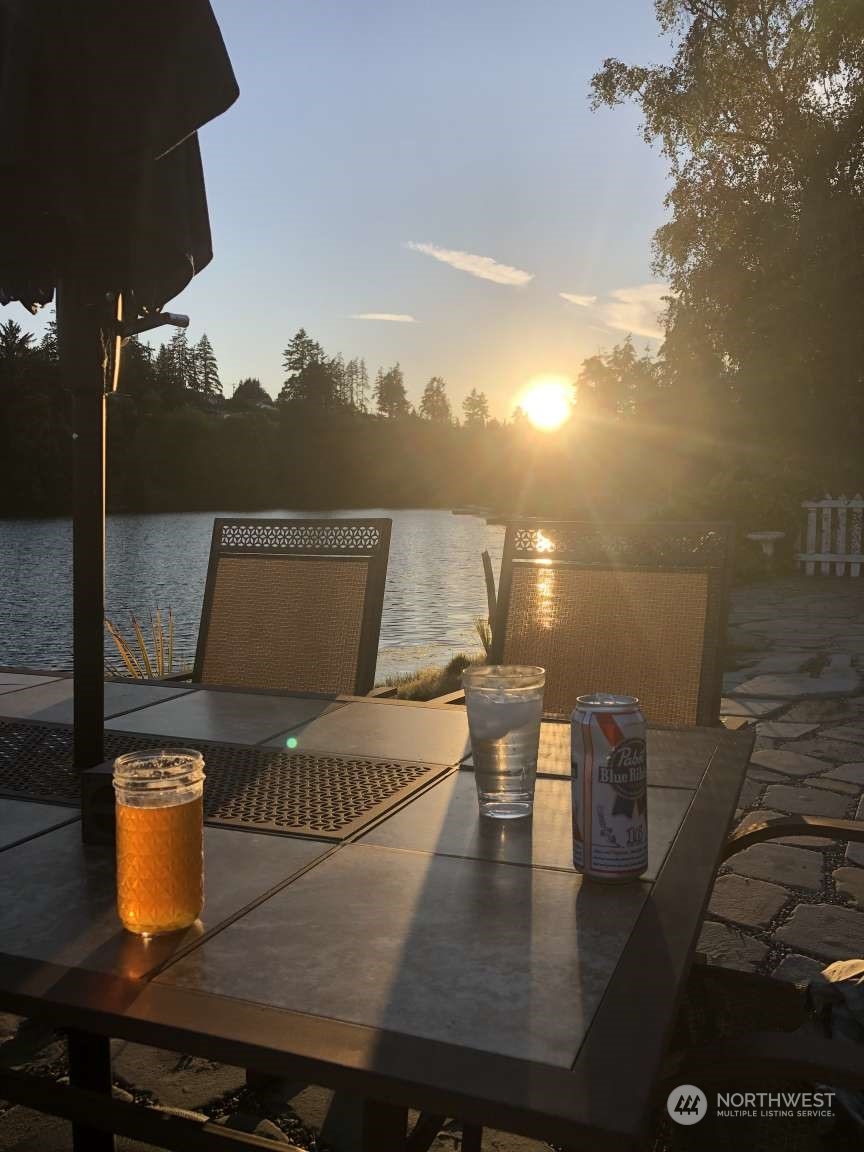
x=82, y=359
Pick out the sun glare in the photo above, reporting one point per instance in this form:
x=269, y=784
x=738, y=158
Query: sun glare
x=548, y=402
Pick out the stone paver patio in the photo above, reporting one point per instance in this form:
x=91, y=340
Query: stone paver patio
x=789, y=907
x=785, y=908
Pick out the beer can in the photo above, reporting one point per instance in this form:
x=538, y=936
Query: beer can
x=610, y=811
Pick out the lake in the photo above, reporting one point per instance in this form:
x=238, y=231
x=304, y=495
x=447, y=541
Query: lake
x=435, y=584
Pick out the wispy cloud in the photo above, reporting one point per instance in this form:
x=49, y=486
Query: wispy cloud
x=393, y=317
x=483, y=267
x=576, y=298
x=635, y=309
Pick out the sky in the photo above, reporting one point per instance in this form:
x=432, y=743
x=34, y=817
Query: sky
x=437, y=164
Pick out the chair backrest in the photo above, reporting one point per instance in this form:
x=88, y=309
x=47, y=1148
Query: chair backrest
x=633, y=609
x=293, y=604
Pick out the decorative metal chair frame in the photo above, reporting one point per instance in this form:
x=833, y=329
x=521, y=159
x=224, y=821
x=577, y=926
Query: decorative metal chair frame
x=350, y=541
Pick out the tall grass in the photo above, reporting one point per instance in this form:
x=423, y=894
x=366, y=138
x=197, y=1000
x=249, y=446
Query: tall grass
x=144, y=657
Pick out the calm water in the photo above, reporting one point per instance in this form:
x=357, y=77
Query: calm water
x=435, y=583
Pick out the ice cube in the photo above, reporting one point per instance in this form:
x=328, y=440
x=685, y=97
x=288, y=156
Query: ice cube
x=492, y=717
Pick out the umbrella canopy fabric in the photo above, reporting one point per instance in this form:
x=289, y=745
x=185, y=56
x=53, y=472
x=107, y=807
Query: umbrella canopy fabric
x=102, y=199
x=100, y=101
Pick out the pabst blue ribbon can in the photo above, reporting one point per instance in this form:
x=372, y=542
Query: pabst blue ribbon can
x=610, y=811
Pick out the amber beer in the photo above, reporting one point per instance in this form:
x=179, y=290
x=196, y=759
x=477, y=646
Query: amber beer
x=610, y=815
x=160, y=882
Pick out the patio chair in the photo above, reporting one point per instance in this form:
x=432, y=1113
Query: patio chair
x=294, y=605
x=636, y=609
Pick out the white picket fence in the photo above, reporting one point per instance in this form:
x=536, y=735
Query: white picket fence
x=832, y=536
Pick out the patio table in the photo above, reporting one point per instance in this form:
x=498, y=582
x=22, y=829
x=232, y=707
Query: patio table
x=421, y=958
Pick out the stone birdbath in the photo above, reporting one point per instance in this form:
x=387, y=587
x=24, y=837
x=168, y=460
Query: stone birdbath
x=766, y=540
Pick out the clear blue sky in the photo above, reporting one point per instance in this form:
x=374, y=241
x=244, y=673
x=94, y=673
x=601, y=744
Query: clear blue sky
x=363, y=127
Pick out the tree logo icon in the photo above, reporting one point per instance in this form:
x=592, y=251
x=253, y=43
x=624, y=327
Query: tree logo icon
x=687, y=1104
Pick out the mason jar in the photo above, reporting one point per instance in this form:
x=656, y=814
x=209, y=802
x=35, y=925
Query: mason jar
x=160, y=839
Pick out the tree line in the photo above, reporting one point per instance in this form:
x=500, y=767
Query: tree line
x=753, y=401
x=331, y=437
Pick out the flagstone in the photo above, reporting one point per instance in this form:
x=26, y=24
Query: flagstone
x=765, y=776
x=853, y=732
x=819, y=711
x=850, y=882
x=731, y=706
x=797, y=969
x=799, y=684
x=788, y=762
x=827, y=930
x=837, y=751
x=783, y=730
x=750, y=792
x=854, y=773
x=747, y=901
x=781, y=864
x=830, y=785
x=803, y=801
x=730, y=949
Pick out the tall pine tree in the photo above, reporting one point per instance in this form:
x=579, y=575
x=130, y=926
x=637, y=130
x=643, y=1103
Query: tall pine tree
x=206, y=369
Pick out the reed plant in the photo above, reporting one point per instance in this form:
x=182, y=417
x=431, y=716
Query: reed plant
x=147, y=652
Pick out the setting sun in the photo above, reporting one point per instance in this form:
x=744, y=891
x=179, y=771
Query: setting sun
x=548, y=402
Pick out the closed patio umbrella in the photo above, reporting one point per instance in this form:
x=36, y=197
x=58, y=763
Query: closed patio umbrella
x=102, y=202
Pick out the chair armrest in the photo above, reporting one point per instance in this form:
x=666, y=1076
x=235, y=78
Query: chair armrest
x=384, y=692
x=794, y=826
x=802, y=1055
x=457, y=697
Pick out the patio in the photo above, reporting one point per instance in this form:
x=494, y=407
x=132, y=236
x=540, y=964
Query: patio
x=785, y=908
x=791, y=907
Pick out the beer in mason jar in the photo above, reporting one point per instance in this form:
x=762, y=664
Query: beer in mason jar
x=610, y=813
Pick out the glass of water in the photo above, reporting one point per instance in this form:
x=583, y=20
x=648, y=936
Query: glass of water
x=505, y=704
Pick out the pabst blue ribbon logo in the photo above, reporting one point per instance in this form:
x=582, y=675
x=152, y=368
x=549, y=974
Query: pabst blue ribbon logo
x=625, y=771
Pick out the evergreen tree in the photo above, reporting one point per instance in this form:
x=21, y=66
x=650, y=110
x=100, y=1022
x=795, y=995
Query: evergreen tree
x=390, y=395
x=475, y=406
x=250, y=393
x=361, y=390
x=137, y=369
x=302, y=351
x=167, y=381
x=181, y=363
x=48, y=345
x=434, y=404
x=311, y=377
x=207, y=380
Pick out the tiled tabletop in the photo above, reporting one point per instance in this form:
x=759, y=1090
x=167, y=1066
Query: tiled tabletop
x=15, y=681
x=21, y=819
x=58, y=896
x=223, y=717
x=387, y=731
x=51, y=701
x=428, y=929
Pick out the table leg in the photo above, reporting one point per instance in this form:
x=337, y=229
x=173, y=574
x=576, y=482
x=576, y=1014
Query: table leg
x=90, y=1067
x=472, y=1137
x=385, y=1127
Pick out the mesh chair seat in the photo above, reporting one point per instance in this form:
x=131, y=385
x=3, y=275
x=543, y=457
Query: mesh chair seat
x=293, y=605
x=637, y=610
